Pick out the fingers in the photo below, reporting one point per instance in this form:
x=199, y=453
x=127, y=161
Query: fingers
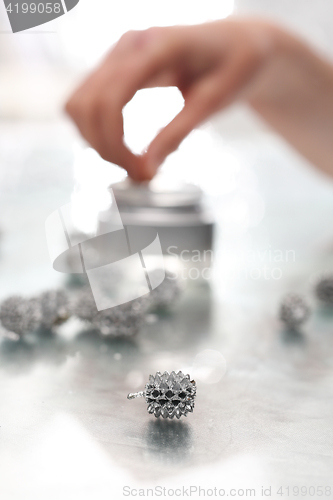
x=109, y=120
x=209, y=63
x=97, y=106
x=199, y=104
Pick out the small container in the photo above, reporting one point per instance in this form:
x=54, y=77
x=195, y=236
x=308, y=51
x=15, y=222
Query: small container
x=178, y=213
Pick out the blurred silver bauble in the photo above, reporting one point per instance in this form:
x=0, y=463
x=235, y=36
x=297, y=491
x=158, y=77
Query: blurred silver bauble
x=20, y=315
x=123, y=320
x=167, y=293
x=83, y=304
x=324, y=290
x=294, y=311
x=54, y=307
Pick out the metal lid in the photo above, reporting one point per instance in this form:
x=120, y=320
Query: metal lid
x=156, y=193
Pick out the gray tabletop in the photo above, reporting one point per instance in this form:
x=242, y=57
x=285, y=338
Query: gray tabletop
x=262, y=424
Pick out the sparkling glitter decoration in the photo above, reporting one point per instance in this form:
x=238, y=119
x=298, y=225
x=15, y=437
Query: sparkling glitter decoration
x=294, y=311
x=54, y=307
x=169, y=395
x=84, y=306
x=324, y=290
x=20, y=315
x=166, y=293
x=124, y=320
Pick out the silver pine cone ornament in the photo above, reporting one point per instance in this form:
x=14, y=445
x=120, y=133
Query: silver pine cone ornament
x=167, y=293
x=169, y=395
x=124, y=320
x=294, y=311
x=324, y=290
x=20, y=315
x=54, y=307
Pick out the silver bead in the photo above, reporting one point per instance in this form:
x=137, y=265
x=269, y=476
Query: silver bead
x=54, y=307
x=124, y=320
x=324, y=290
x=20, y=315
x=169, y=395
x=83, y=305
x=166, y=293
x=294, y=311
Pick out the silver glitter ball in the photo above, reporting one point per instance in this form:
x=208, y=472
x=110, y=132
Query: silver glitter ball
x=54, y=307
x=294, y=311
x=170, y=395
x=20, y=315
x=167, y=293
x=324, y=290
x=124, y=320
x=83, y=305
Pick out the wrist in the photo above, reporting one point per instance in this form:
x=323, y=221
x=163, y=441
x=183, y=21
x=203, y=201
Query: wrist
x=283, y=72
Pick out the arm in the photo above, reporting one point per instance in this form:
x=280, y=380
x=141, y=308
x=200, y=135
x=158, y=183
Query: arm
x=294, y=94
x=212, y=64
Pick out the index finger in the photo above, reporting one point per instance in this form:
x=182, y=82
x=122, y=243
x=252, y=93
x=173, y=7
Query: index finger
x=136, y=61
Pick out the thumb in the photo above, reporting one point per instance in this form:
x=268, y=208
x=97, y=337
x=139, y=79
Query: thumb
x=200, y=103
x=210, y=94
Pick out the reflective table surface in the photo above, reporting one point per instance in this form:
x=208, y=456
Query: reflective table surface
x=262, y=424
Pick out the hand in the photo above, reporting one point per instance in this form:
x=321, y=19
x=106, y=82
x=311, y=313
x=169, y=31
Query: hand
x=209, y=63
x=212, y=65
